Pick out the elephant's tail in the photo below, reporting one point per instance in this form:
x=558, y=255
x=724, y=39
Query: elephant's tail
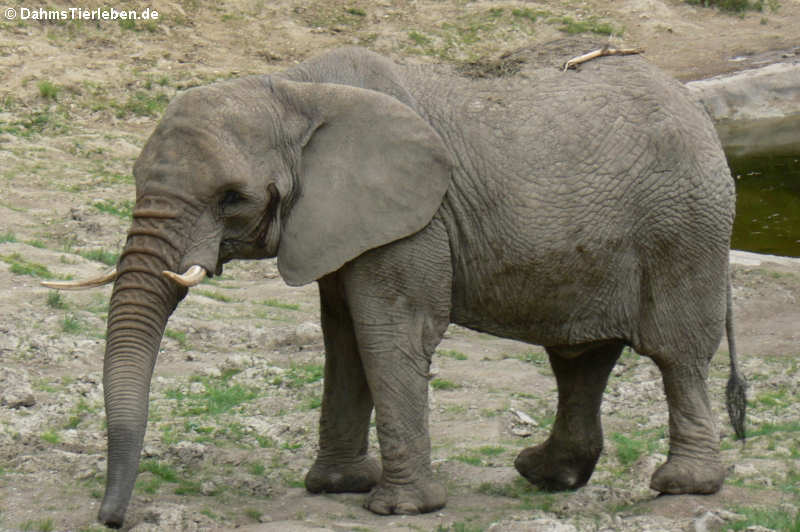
x=736, y=391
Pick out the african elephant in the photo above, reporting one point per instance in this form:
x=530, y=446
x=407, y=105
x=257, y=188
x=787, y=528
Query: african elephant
x=583, y=211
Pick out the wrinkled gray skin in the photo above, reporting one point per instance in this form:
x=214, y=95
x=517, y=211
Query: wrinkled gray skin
x=582, y=211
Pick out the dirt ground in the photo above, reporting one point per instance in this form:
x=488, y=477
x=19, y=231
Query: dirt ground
x=235, y=396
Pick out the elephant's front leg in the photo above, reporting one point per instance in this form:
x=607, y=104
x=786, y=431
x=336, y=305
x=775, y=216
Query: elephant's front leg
x=399, y=296
x=342, y=464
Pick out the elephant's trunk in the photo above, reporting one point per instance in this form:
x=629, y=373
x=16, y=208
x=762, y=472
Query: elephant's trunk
x=141, y=303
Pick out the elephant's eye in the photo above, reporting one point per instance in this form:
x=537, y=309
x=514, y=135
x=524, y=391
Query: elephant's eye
x=230, y=198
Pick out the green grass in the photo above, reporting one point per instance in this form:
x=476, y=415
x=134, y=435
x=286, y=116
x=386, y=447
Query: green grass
x=766, y=429
x=213, y=295
x=100, y=255
x=55, y=300
x=257, y=469
x=122, y=209
x=275, y=303
x=529, y=496
x=771, y=518
x=218, y=397
x=443, y=384
x=590, y=25
x=178, y=336
x=162, y=471
x=48, y=90
x=72, y=324
x=142, y=103
x=450, y=353
x=628, y=450
x=7, y=237
x=52, y=121
x=21, y=266
x=253, y=514
x=38, y=525
x=475, y=457
x=50, y=436
x=36, y=244
x=300, y=375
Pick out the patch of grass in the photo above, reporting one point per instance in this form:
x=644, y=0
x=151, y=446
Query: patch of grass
x=214, y=295
x=38, y=525
x=275, y=303
x=56, y=300
x=158, y=469
x=51, y=436
x=590, y=25
x=489, y=450
x=458, y=526
x=80, y=412
x=771, y=518
x=529, y=496
x=7, y=237
x=450, y=353
x=36, y=244
x=122, y=209
x=537, y=358
x=470, y=459
x=48, y=90
x=21, y=266
x=142, y=103
x=628, y=450
x=468, y=37
x=100, y=255
x=301, y=375
x=334, y=17
x=178, y=336
x=443, y=384
x=218, y=397
x=253, y=514
x=771, y=428
x=419, y=39
x=53, y=121
x=72, y=324
x=314, y=403
x=257, y=469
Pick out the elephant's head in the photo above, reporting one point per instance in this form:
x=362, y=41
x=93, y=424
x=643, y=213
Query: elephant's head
x=313, y=173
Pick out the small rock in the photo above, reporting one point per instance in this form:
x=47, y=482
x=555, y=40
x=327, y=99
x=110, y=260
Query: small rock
x=212, y=372
x=709, y=520
x=188, y=452
x=208, y=488
x=522, y=417
x=307, y=333
x=521, y=431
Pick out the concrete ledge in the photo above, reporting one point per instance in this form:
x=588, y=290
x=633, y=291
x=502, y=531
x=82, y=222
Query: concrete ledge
x=746, y=258
x=769, y=92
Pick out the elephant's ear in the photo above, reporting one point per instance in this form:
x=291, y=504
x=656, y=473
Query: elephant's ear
x=371, y=172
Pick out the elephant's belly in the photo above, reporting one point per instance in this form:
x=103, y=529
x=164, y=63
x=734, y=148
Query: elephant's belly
x=547, y=306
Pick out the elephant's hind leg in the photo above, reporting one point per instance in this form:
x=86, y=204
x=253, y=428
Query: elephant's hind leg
x=694, y=464
x=342, y=464
x=567, y=458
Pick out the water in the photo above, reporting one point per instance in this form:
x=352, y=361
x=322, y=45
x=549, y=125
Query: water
x=764, y=157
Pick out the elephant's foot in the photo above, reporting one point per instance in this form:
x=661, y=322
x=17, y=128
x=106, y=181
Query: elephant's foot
x=359, y=476
x=688, y=475
x=553, y=468
x=407, y=499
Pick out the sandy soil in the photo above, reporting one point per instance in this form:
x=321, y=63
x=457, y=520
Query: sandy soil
x=235, y=398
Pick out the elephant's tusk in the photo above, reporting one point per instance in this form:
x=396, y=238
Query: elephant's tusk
x=193, y=276
x=108, y=277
